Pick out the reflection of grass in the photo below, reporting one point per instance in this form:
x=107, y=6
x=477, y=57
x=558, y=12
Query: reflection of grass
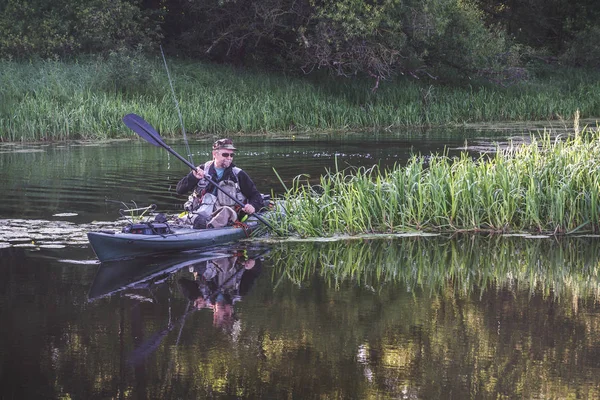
x=566, y=269
x=546, y=186
x=46, y=100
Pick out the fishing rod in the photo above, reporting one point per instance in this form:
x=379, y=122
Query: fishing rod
x=187, y=146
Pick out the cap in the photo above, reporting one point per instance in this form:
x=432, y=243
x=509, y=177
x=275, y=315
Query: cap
x=224, y=144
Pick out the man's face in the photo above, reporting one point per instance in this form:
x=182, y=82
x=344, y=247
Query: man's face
x=223, y=157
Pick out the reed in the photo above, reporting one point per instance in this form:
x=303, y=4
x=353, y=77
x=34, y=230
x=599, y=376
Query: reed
x=550, y=186
x=54, y=100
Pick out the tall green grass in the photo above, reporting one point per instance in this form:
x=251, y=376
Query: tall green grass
x=52, y=100
x=551, y=185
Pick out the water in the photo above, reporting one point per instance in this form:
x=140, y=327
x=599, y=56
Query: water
x=406, y=317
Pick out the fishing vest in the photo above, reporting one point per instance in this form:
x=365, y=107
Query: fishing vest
x=230, y=187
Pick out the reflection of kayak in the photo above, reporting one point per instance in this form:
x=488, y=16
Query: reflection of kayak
x=110, y=246
x=115, y=276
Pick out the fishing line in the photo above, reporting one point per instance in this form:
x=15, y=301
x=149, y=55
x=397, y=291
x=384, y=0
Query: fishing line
x=187, y=146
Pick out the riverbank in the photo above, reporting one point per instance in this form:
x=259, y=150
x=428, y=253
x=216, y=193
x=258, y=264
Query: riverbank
x=547, y=186
x=52, y=100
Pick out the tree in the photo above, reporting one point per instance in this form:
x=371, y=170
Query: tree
x=561, y=29
x=346, y=37
x=67, y=27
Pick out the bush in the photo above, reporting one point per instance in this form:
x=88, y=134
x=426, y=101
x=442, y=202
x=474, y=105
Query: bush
x=584, y=50
x=59, y=28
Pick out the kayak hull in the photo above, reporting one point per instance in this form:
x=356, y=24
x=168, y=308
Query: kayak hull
x=111, y=246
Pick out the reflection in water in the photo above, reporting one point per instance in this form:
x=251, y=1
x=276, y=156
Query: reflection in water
x=469, y=317
x=217, y=280
x=475, y=317
x=418, y=317
x=219, y=283
x=563, y=269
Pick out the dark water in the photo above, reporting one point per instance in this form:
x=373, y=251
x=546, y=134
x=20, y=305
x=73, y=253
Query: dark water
x=404, y=317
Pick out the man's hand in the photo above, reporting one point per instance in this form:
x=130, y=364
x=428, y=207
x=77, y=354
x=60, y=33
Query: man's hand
x=198, y=173
x=249, y=209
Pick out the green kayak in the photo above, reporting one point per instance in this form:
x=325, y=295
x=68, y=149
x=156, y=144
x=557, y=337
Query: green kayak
x=161, y=238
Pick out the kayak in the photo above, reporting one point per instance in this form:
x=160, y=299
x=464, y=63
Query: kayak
x=147, y=239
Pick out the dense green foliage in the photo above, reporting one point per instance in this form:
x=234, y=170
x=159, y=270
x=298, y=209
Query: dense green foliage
x=73, y=68
x=556, y=28
x=68, y=27
x=550, y=185
x=53, y=100
x=421, y=38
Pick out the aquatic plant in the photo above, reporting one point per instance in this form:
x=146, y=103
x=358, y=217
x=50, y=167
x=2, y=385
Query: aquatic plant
x=550, y=185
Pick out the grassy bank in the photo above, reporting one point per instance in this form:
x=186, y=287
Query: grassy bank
x=48, y=100
x=547, y=186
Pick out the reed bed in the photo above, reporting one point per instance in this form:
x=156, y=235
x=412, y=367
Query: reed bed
x=53, y=100
x=550, y=185
x=469, y=265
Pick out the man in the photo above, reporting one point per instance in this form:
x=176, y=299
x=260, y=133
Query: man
x=208, y=205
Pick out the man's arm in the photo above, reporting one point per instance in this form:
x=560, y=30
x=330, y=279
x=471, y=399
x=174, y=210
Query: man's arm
x=249, y=190
x=187, y=184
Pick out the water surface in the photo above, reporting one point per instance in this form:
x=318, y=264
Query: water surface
x=404, y=317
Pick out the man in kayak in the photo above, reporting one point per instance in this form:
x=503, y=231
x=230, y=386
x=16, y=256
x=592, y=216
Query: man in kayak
x=208, y=206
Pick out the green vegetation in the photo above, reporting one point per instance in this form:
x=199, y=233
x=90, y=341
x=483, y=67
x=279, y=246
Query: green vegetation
x=53, y=100
x=382, y=39
x=72, y=68
x=550, y=185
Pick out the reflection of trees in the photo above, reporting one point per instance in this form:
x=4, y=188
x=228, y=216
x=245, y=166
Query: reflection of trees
x=404, y=318
x=472, y=316
x=564, y=271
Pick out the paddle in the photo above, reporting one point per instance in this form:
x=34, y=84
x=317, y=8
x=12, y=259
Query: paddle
x=147, y=132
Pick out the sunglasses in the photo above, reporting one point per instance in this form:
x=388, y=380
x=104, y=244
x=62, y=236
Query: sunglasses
x=227, y=155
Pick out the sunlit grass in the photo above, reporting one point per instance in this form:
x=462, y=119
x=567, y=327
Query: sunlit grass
x=550, y=185
x=51, y=100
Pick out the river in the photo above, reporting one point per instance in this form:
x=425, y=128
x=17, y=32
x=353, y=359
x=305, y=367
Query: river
x=405, y=316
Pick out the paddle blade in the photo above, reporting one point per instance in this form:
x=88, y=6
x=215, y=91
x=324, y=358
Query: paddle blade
x=143, y=129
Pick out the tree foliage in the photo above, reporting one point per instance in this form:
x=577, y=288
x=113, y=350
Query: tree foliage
x=378, y=38
x=560, y=29
x=347, y=37
x=61, y=28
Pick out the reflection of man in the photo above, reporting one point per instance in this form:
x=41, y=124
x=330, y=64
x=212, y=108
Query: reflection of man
x=218, y=284
x=223, y=312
